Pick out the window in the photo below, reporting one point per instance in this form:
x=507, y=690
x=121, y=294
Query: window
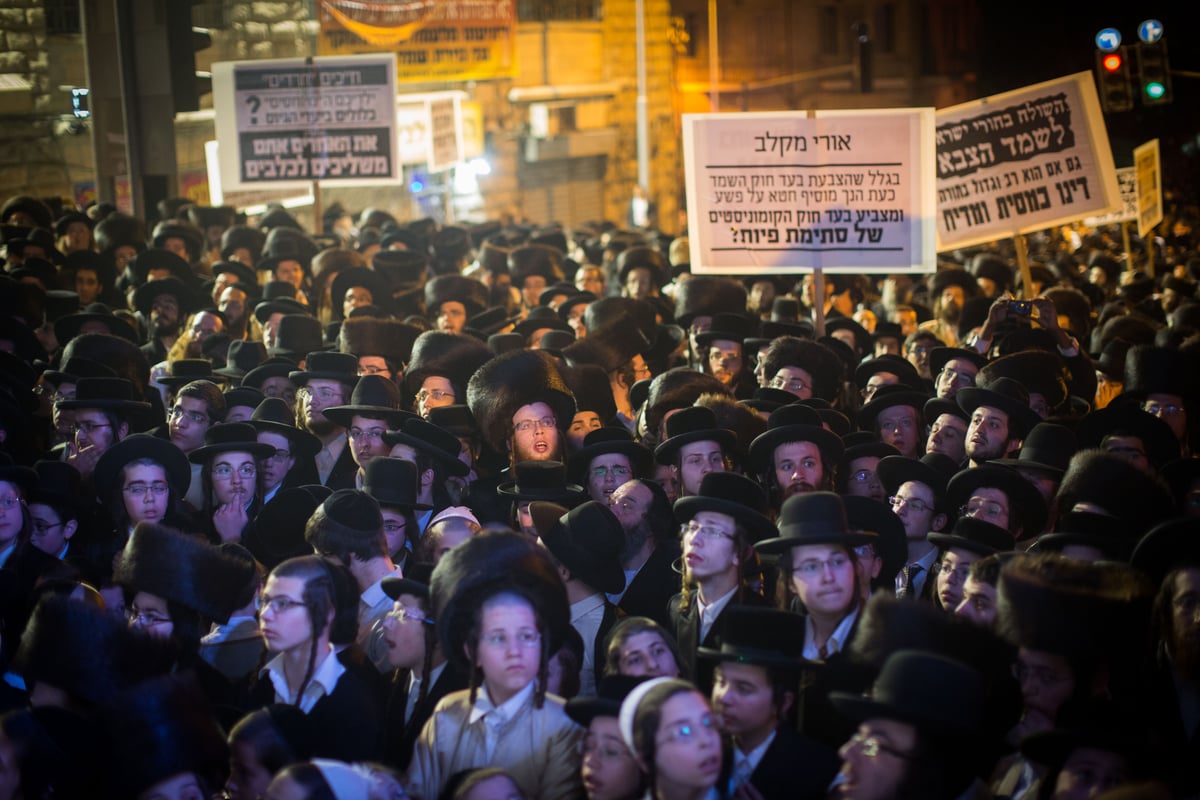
x=562, y=10
x=63, y=17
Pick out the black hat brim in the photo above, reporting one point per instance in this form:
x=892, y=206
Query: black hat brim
x=665, y=452
x=133, y=448
x=451, y=463
x=758, y=527
x=259, y=451
x=763, y=446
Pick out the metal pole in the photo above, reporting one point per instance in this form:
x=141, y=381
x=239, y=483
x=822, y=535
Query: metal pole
x=714, y=74
x=643, y=123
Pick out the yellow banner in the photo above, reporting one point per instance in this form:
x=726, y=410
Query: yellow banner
x=434, y=40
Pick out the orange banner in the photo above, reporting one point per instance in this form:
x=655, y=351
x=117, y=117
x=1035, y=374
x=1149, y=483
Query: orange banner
x=434, y=40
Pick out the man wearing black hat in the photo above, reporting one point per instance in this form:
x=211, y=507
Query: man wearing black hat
x=718, y=527
x=105, y=410
x=348, y=528
x=953, y=368
x=949, y=289
x=327, y=381
x=57, y=506
x=164, y=304
x=1000, y=419
x=895, y=414
x=392, y=482
x=754, y=695
x=292, y=462
x=795, y=454
x=694, y=447
x=374, y=408
x=916, y=493
x=585, y=544
x=434, y=452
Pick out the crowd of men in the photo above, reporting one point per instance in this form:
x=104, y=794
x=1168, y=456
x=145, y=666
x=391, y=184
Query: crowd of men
x=941, y=532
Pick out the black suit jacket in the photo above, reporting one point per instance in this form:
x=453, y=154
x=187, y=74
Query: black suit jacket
x=653, y=586
x=687, y=634
x=344, y=470
x=795, y=767
x=398, y=736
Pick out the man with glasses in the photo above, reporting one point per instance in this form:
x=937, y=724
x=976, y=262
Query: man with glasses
x=718, y=526
x=325, y=382
x=970, y=540
x=106, y=411
x=953, y=368
x=373, y=410
x=348, y=528
x=198, y=406
x=998, y=495
x=916, y=493
x=608, y=459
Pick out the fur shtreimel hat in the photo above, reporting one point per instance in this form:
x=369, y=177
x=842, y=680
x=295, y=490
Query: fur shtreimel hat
x=592, y=391
x=387, y=338
x=86, y=652
x=707, y=295
x=1099, y=482
x=182, y=569
x=677, y=388
x=1091, y=611
x=1039, y=371
x=483, y=567
x=500, y=387
x=813, y=357
x=453, y=356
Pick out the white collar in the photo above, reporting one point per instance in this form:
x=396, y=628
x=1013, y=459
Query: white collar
x=373, y=595
x=755, y=755
x=589, y=604
x=837, y=639
x=503, y=712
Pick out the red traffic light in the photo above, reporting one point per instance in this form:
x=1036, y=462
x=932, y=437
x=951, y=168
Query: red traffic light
x=1112, y=62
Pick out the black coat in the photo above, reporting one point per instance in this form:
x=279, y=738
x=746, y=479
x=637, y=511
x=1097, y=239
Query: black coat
x=686, y=626
x=795, y=767
x=398, y=736
x=653, y=586
x=344, y=470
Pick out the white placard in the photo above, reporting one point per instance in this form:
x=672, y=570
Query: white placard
x=1023, y=161
x=1127, y=185
x=289, y=120
x=445, y=133
x=842, y=191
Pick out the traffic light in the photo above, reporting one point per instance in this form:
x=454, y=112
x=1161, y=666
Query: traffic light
x=1112, y=75
x=1154, y=73
x=188, y=84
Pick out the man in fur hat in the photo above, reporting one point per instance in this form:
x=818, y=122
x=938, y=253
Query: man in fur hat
x=383, y=346
x=522, y=405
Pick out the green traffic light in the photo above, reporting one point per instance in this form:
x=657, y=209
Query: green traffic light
x=1154, y=90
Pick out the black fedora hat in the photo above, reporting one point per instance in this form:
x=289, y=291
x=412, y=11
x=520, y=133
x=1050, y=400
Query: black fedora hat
x=363, y=277
x=287, y=306
x=940, y=356
x=24, y=477
x=68, y=327
x=277, y=367
x=137, y=447
x=540, y=480
x=1101, y=532
x=273, y=416
x=242, y=396
x=814, y=518
x=456, y=418
x=1024, y=501
x=728, y=327
x=554, y=341
x=321, y=365
x=611, y=691
x=793, y=423
x=1005, y=394
x=1166, y=547
x=974, y=535
x=932, y=469
x=374, y=396
x=243, y=356
x=58, y=484
x=71, y=370
x=936, y=406
x=439, y=444
x=415, y=582
x=935, y=694
x=185, y=298
x=608, y=441
x=734, y=495
x=862, y=337
x=393, y=482
x=1046, y=448
x=891, y=542
x=765, y=637
x=1127, y=419
x=767, y=399
x=236, y=437
x=186, y=370
x=587, y=540
x=694, y=424
x=296, y=336
x=539, y=318
x=900, y=367
x=106, y=394
x=889, y=397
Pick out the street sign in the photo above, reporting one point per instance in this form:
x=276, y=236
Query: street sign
x=1022, y=161
x=1150, y=31
x=789, y=192
x=288, y=120
x=1108, y=39
x=1149, y=187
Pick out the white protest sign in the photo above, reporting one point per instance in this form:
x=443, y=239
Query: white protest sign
x=445, y=133
x=788, y=192
x=1127, y=184
x=1149, y=186
x=288, y=120
x=1022, y=161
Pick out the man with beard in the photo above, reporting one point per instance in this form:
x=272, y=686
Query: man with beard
x=796, y=454
x=1170, y=554
x=164, y=304
x=1000, y=419
x=234, y=304
x=722, y=345
x=949, y=289
x=326, y=381
x=651, y=548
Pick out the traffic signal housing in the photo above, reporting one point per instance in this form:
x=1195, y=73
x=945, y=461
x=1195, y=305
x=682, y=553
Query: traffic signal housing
x=1112, y=76
x=188, y=84
x=1154, y=73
